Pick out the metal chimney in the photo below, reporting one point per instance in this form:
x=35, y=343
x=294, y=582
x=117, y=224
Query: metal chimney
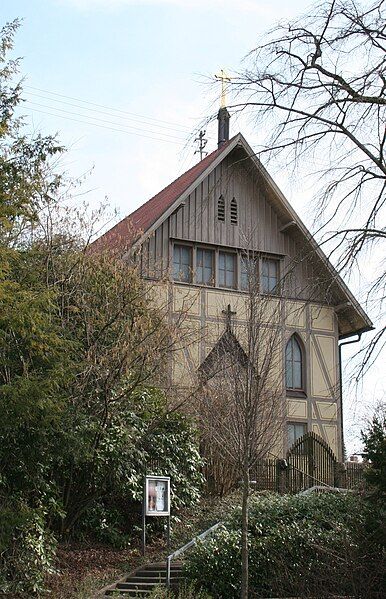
x=223, y=118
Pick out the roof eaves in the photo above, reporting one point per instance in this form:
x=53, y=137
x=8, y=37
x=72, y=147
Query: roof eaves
x=293, y=216
x=184, y=194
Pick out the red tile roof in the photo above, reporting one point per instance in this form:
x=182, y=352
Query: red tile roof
x=124, y=233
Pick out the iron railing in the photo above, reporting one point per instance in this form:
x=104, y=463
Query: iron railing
x=182, y=550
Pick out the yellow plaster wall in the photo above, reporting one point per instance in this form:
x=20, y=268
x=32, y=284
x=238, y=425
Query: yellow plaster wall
x=296, y=408
x=322, y=318
x=191, y=334
x=319, y=384
x=182, y=376
x=316, y=429
x=296, y=314
x=327, y=347
x=330, y=431
x=271, y=311
x=213, y=332
x=276, y=448
x=327, y=410
x=217, y=301
x=158, y=293
x=186, y=299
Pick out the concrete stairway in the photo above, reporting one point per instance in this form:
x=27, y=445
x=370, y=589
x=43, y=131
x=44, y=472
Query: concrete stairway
x=142, y=581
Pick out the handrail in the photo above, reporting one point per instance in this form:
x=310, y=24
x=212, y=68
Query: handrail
x=318, y=488
x=185, y=547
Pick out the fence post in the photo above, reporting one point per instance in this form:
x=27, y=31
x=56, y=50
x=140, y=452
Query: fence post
x=281, y=475
x=340, y=478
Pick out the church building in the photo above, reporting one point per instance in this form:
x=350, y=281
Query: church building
x=193, y=240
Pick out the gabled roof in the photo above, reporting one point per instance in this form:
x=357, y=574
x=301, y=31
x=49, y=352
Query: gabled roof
x=143, y=221
x=138, y=222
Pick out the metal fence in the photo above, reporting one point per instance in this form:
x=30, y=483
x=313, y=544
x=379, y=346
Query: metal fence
x=310, y=462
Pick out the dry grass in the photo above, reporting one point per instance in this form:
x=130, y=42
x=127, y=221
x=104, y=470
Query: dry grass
x=84, y=569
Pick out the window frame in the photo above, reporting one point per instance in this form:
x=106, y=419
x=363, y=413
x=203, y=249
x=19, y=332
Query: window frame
x=249, y=256
x=295, y=423
x=277, y=261
x=296, y=391
x=235, y=262
x=213, y=251
x=191, y=249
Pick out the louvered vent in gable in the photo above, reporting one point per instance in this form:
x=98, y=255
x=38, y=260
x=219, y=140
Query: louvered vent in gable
x=221, y=209
x=234, y=216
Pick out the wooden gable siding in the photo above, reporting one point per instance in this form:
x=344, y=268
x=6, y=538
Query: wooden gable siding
x=258, y=226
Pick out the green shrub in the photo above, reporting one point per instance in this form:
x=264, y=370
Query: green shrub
x=186, y=591
x=27, y=549
x=148, y=434
x=299, y=545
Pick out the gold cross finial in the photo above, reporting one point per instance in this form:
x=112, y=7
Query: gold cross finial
x=223, y=77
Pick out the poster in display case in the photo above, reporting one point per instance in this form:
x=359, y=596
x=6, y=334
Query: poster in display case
x=157, y=496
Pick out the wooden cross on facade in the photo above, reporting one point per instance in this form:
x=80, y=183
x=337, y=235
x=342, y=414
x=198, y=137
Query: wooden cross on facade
x=228, y=314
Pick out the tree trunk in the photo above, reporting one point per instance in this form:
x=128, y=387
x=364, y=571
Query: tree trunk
x=244, y=535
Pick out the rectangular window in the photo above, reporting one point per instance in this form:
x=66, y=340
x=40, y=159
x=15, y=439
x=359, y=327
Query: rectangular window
x=227, y=269
x=295, y=431
x=182, y=263
x=204, y=266
x=270, y=276
x=248, y=272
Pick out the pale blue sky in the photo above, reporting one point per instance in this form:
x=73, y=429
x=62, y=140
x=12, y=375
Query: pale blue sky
x=147, y=57
x=151, y=58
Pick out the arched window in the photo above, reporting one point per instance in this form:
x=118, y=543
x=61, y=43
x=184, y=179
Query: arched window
x=294, y=363
x=221, y=209
x=234, y=217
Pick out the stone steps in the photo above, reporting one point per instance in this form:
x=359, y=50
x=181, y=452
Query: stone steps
x=142, y=581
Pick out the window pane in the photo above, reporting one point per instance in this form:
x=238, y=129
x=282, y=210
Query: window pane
x=185, y=255
x=199, y=266
x=291, y=435
x=248, y=273
x=295, y=431
x=208, y=258
x=297, y=375
x=227, y=269
x=204, y=262
x=288, y=365
x=293, y=364
x=221, y=269
x=182, y=259
x=270, y=275
x=272, y=264
x=297, y=354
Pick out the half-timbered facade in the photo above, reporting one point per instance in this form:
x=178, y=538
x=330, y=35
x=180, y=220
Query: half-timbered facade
x=196, y=237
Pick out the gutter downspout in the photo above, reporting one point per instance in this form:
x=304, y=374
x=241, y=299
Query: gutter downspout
x=341, y=384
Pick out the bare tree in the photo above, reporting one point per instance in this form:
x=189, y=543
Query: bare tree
x=317, y=86
x=241, y=406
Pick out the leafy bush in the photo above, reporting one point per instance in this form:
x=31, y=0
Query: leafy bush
x=374, y=438
x=146, y=434
x=299, y=545
x=187, y=591
x=27, y=549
